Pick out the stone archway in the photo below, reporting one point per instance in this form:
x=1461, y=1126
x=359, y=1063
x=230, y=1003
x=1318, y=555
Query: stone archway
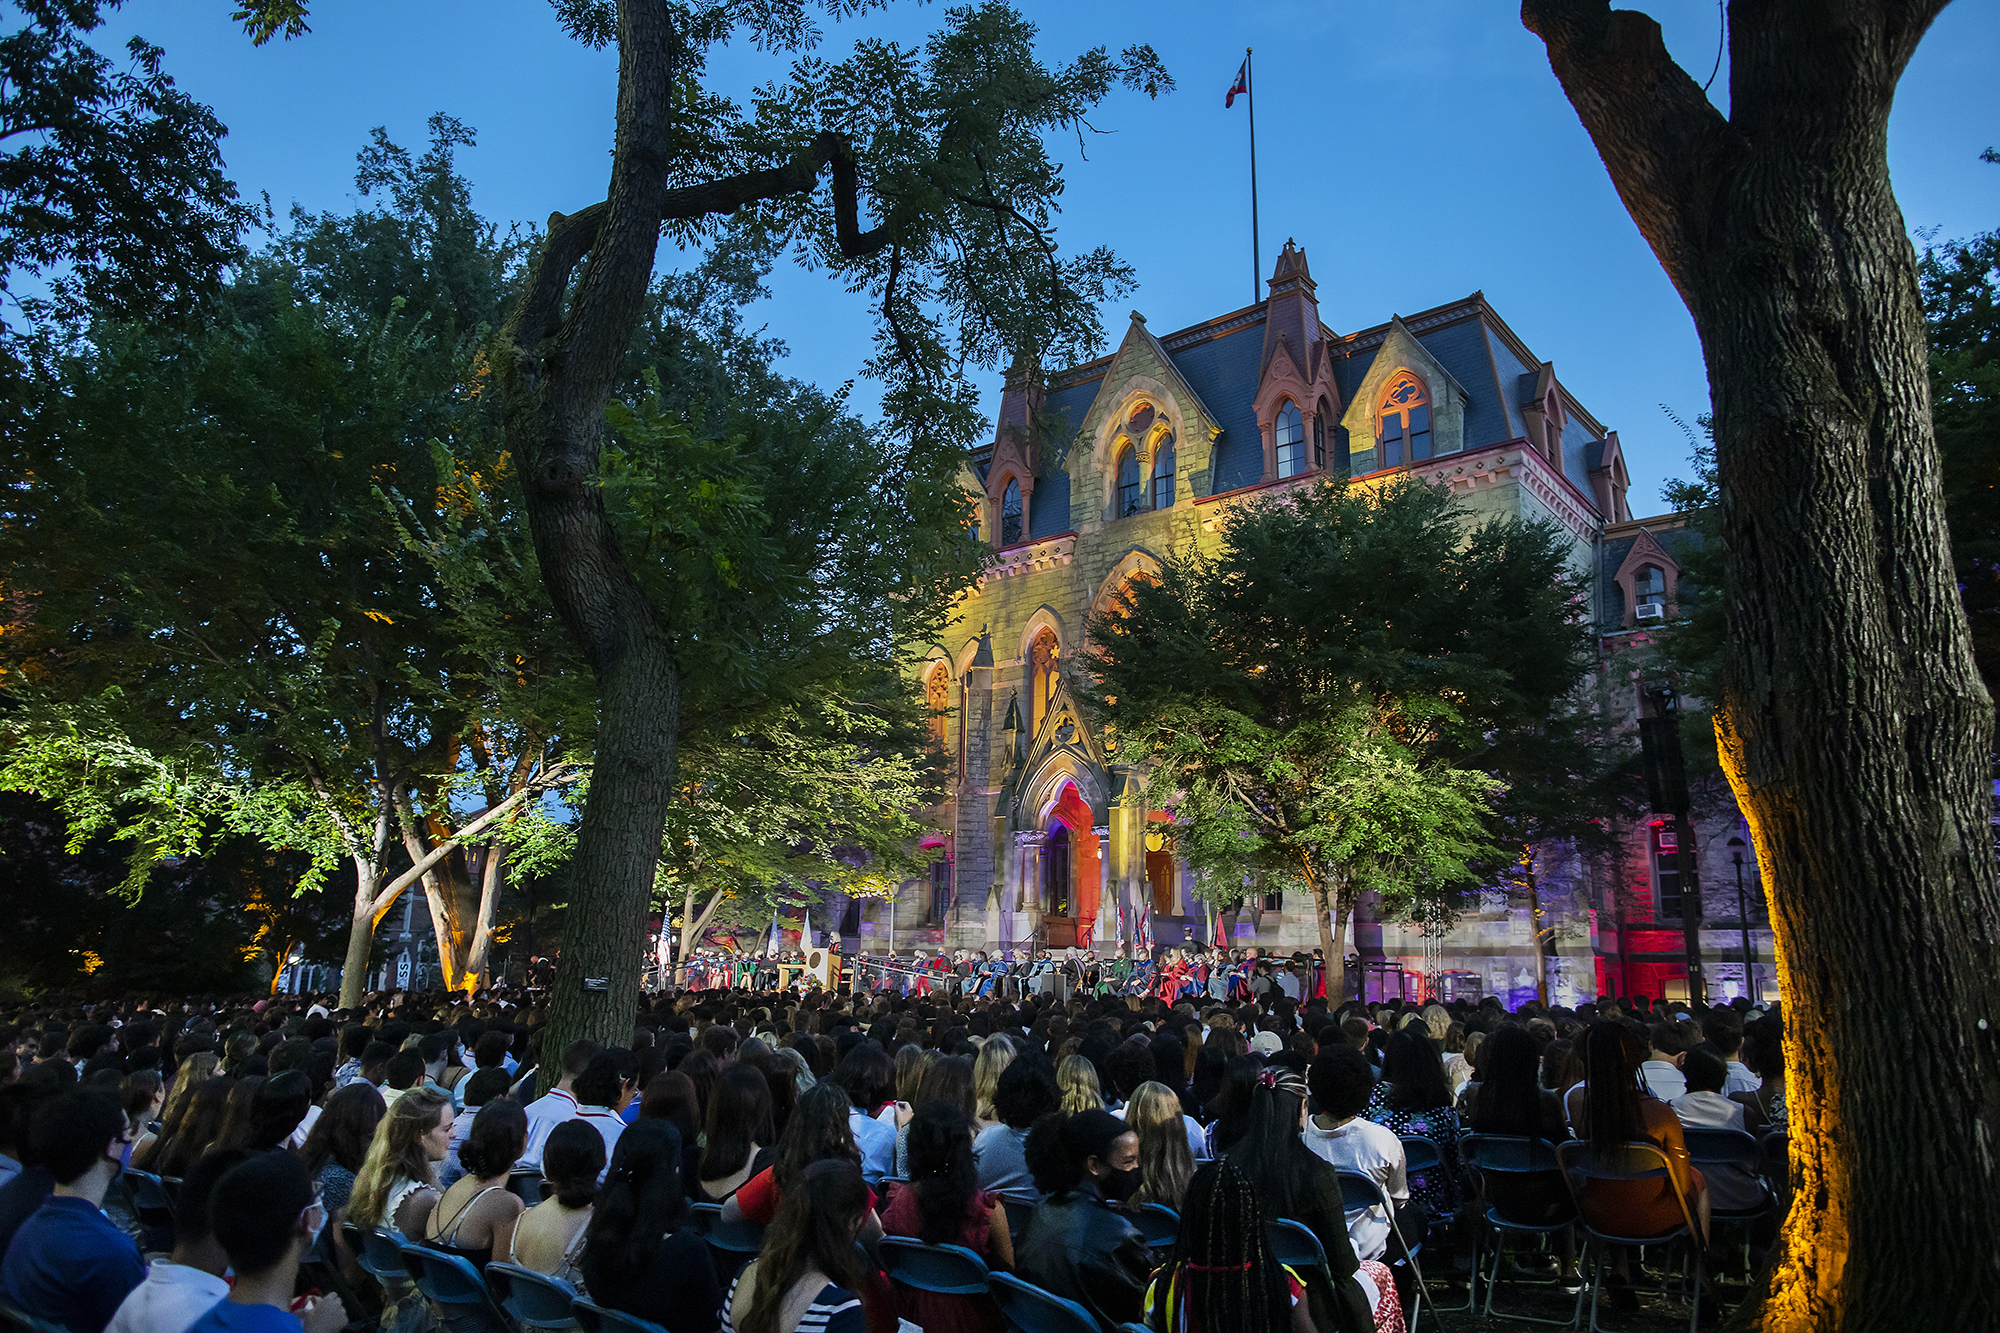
x=1071, y=871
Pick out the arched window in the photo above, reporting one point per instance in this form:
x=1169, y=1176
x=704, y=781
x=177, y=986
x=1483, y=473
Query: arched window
x=1649, y=593
x=1010, y=514
x=1406, y=422
x=1042, y=655
x=1163, y=473
x=1128, y=481
x=1291, y=442
x=937, y=701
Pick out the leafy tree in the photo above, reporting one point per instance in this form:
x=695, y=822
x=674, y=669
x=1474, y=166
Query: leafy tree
x=1356, y=691
x=111, y=186
x=1851, y=715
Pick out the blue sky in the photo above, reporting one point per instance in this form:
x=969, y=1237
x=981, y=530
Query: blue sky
x=1419, y=151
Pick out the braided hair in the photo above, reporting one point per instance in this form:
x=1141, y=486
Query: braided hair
x=1222, y=1276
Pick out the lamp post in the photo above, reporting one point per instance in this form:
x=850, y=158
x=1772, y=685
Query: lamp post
x=1736, y=846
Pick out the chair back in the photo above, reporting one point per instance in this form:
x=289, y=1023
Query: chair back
x=531, y=1299
x=379, y=1254
x=1362, y=1191
x=1519, y=1174
x=1159, y=1224
x=1294, y=1244
x=1722, y=1147
x=455, y=1290
x=14, y=1317
x=1032, y=1310
x=148, y=1197
x=1636, y=1160
x=527, y=1186
x=1420, y=1153
x=702, y=1217
x=603, y=1319
x=1018, y=1214
x=952, y=1270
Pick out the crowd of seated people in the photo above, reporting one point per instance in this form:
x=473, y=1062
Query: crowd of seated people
x=1030, y=1132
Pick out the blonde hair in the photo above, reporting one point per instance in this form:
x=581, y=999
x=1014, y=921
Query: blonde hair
x=911, y=1060
x=1438, y=1019
x=396, y=1153
x=1166, y=1163
x=994, y=1057
x=1077, y=1078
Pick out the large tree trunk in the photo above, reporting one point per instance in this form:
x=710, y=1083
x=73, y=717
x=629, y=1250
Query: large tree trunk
x=1853, y=725
x=360, y=934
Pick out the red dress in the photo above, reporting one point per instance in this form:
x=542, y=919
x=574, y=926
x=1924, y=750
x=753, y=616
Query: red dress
x=936, y=1312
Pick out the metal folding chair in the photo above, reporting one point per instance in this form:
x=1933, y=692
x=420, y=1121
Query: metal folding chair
x=1421, y=1154
x=455, y=1290
x=148, y=1198
x=379, y=1254
x=1635, y=1161
x=732, y=1244
x=532, y=1300
x=1509, y=1165
x=951, y=1270
x=1018, y=1214
x=1031, y=1310
x=528, y=1186
x=1159, y=1224
x=1360, y=1191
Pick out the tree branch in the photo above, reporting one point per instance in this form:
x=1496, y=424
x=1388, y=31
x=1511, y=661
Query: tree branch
x=554, y=778
x=1667, y=148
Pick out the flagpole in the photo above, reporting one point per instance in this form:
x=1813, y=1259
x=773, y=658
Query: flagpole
x=1256, y=253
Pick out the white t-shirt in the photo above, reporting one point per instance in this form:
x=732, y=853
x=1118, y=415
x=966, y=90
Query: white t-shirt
x=1729, y=1186
x=607, y=1123
x=298, y=1136
x=1664, y=1079
x=544, y=1114
x=171, y=1298
x=1740, y=1079
x=1372, y=1150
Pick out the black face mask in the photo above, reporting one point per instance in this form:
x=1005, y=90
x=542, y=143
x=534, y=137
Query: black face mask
x=1118, y=1186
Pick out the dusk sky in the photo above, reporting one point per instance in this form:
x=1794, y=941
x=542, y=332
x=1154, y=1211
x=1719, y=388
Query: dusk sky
x=1419, y=151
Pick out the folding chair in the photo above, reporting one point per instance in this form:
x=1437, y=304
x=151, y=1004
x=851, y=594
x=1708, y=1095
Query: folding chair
x=1420, y=1155
x=379, y=1254
x=528, y=1186
x=1511, y=1167
x=14, y=1317
x=1777, y=1149
x=950, y=1270
x=703, y=1216
x=1159, y=1224
x=604, y=1319
x=455, y=1290
x=532, y=1300
x=1294, y=1245
x=732, y=1244
x=1720, y=1152
x=1031, y=1310
x=1639, y=1160
x=148, y=1198
x=1018, y=1214
x=1359, y=1191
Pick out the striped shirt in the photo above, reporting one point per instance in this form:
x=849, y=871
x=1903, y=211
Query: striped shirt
x=834, y=1310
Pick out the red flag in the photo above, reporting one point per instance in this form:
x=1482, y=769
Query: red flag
x=1242, y=84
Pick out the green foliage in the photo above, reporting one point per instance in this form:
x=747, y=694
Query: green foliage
x=1362, y=687
x=111, y=186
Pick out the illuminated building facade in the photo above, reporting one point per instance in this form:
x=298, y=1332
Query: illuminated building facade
x=1098, y=471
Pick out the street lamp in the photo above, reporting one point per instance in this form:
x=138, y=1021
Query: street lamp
x=1736, y=846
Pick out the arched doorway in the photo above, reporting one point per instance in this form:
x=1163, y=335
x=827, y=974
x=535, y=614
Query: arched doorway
x=1058, y=853
x=1071, y=870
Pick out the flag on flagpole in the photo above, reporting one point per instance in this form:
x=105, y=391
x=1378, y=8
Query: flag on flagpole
x=1221, y=932
x=776, y=938
x=1242, y=84
x=806, y=931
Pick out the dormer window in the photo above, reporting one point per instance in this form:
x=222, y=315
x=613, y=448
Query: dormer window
x=1649, y=593
x=1291, y=441
x=1406, y=422
x=1010, y=514
x=1128, y=482
x=1163, y=473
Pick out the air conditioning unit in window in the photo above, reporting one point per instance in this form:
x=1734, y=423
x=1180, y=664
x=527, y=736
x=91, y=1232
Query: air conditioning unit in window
x=1651, y=611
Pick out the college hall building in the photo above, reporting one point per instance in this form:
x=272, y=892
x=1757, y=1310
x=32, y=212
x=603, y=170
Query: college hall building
x=1098, y=471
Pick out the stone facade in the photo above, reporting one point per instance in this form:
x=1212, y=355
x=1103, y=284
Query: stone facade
x=1097, y=472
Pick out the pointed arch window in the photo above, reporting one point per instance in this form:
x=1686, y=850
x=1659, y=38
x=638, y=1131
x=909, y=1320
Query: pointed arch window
x=1163, y=473
x=1319, y=439
x=1010, y=514
x=937, y=701
x=1042, y=655
x=1290, y=438
x=1406, y=422
x=1128, y=482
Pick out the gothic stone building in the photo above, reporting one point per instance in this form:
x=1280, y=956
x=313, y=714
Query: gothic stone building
x=1097, y=471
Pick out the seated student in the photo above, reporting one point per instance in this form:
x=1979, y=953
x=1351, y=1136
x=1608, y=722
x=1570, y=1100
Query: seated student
x=475, y=1217
x=868, y=1075
x=68, y=1263
x=485, y=1086
x=943, y=1205
x=549, y=1237
x=821, y=1128
x=1661, y=1074
x=1704, y=1106
x=24, y=1188
x=1024, y=1094
x=606, y=1084
x=636, y=1255
x=809, y=1276
x=179, y=1290
x=554, y=1106
x=266, y=1217
x=1723, y=1027
x=1341, y=1082
x=1077, y=1244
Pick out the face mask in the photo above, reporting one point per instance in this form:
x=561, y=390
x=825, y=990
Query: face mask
x=1119, y=1186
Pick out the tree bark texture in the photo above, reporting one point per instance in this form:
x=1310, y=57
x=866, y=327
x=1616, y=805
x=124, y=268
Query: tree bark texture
x=1853, y=725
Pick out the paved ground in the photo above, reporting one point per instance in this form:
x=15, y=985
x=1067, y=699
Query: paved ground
x=1658, y=1313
